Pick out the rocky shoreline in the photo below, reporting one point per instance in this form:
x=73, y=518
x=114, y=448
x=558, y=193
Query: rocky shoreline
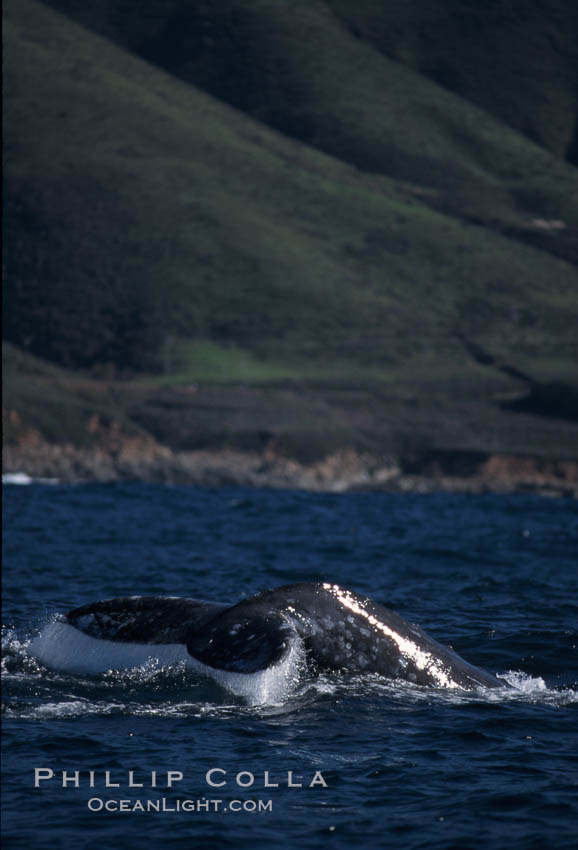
x=326, y=439
x=143, y=459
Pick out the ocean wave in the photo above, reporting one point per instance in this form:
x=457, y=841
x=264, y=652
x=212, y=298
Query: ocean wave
x=22, y=478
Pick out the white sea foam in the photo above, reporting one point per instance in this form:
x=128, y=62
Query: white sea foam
x=23, y=478
x=524, y=682
x=64, y=648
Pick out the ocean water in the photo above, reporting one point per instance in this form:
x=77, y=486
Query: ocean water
x=390, y=764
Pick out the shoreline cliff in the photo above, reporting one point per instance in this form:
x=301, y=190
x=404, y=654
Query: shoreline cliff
x=281, y=438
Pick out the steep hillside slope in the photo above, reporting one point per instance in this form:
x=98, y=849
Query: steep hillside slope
x=515, y=59
x=143, y=214
x=352, y=80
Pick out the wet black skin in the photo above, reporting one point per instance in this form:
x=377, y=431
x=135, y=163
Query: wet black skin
x=339, y=630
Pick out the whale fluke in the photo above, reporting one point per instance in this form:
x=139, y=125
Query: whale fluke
x=143, y=619
x=332, y=628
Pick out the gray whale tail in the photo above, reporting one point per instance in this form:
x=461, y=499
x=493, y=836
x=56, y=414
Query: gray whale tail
x=334, y=629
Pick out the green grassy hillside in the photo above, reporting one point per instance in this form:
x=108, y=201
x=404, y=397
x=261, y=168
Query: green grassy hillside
x=515, y=59
x=362, y=223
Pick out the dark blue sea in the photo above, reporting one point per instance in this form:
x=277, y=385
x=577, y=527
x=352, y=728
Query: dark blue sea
x=495, y=576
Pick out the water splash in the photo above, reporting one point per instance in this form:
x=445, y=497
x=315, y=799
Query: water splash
x=180, y=689
x=23, y=479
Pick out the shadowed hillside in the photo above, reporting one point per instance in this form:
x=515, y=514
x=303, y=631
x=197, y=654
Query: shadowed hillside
x=514, y=58
x=252, y=192
x=368, y=83
x=140, y=210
